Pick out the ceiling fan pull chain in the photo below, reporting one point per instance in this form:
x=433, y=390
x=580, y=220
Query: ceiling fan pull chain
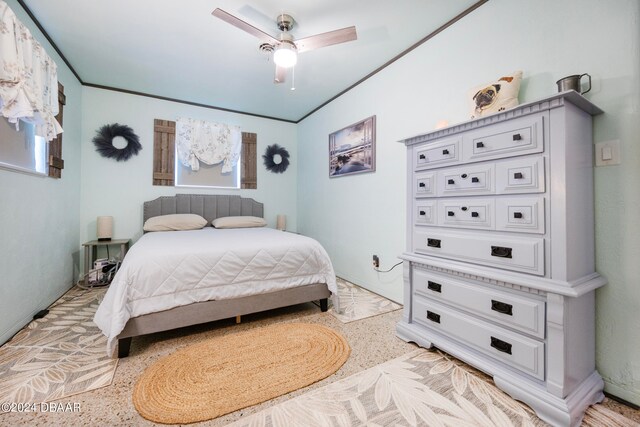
x=293, y=78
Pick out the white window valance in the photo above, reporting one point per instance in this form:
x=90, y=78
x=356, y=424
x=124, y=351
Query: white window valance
x=28, y=78
x=211, y=143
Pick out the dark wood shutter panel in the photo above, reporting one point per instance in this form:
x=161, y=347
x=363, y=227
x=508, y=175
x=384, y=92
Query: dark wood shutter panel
x=249, y=159
x=164, y=139
x=56, y=164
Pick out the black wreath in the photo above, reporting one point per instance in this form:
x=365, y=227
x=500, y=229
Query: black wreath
x=272, y=166
x=104, y=142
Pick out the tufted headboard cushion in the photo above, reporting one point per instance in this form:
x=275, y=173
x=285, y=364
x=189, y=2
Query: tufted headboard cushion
x=208, y=206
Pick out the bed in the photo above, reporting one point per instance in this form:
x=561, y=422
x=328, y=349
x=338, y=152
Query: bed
x=174, y=279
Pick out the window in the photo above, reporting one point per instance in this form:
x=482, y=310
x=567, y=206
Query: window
x=244, y=175
x=23, y=151
x=207, y=175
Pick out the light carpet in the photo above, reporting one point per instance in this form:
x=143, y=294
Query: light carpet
x=59, y=355
x=424, y=387
x=358, y=303
x=227, y=373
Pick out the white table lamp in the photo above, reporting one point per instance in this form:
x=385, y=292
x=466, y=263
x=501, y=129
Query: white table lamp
x=104, y=227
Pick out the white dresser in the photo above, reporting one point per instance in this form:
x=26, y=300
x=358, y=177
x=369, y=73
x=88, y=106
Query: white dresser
x=499, y=268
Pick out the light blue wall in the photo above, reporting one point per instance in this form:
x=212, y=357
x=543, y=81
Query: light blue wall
x=359, y=215
x=119, y=188
x=39, y=218
x=44, y=221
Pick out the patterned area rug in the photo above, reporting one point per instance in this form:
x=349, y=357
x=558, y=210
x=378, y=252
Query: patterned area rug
x=59, y=355
x=358, y=303
x=424, y=387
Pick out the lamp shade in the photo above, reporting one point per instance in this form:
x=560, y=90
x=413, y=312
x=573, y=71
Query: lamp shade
x=104, y=227
x=285, y=55
x=281, y=222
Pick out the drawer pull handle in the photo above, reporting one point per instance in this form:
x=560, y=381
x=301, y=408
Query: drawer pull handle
x=450, y=182
x=517, y=137
x=464, y=175
x=464, y=208
x=433, y=243
x=502, y=307
x=422, y=213
x=445, y=152
x=475, y=179
x=501, y=252
x=436, y=318
x=422, y=157
x=475, y=214
x=433, y=286
x=450, y=213
x=499, y=345
x=479, y=144
x=517, y=215
x=422, y=184
x=517, y=175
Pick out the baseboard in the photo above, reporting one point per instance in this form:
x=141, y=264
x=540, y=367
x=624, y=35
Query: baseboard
x=20, y=324
x=620, y=400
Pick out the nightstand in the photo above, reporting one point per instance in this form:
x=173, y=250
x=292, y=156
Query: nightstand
x=91, y=250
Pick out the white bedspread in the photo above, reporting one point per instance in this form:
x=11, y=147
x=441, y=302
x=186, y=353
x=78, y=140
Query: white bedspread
x=169, y=269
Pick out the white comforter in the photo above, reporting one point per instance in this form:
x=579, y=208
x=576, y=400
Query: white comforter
x=169, y=269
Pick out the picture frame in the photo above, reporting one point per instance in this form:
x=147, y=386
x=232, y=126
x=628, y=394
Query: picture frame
x=352, y=150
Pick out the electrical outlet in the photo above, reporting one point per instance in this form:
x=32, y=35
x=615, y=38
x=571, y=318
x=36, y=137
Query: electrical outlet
x=376, y=261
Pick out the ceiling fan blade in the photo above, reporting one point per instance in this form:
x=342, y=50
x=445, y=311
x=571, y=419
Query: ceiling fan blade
x=245, y=26
x=281, y=74
x=326, y=39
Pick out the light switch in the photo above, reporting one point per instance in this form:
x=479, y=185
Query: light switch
x=607, y=153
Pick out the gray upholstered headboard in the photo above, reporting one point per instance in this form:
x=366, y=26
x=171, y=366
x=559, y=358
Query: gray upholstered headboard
x=208, y=206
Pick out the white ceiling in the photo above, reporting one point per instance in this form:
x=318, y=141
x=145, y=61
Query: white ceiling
x=177, y=49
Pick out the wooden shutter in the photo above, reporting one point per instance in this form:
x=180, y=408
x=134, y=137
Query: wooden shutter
x=249, y=159
x=164, y=138
x=56, y=164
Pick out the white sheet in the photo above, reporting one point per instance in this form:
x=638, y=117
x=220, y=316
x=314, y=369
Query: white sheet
x=169, y=269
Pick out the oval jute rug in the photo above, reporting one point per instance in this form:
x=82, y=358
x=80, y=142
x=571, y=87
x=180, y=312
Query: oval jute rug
x=227, y=373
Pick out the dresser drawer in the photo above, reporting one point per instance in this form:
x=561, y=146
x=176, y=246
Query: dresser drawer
x=424, y=184
x=466, y=181
x=521, y=214
x=525, y=175
x=466, y=213
x=514, y=311
x=425, y=212
x=525, y=254
x=519, y=136
x=429, y=156
x=511, y=348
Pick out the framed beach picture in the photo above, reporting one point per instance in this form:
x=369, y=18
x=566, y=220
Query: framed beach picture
x=353, y=149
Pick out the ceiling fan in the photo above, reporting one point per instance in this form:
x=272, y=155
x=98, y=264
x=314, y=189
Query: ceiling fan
x=285, y=48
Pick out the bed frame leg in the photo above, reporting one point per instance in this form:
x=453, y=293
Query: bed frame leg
x=238, y=319
x=324, y=304
x=124, y=345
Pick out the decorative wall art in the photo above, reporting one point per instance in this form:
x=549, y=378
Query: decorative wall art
x=353, y=149
x=276, y=158
x=104, y=142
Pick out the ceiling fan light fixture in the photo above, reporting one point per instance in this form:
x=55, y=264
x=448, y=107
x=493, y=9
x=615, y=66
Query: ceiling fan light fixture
x=286, y=54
